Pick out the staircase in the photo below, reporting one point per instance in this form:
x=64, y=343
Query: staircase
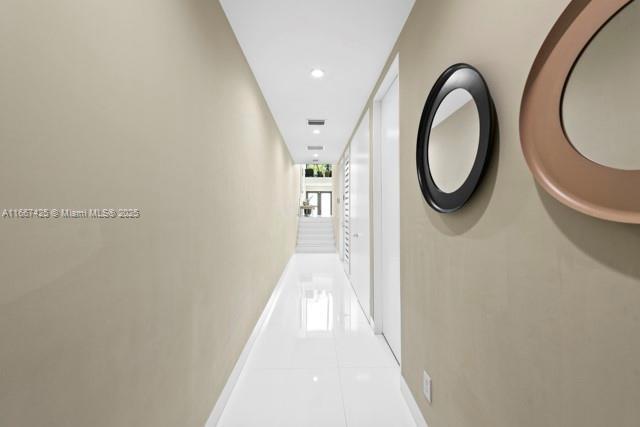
x=315, y=235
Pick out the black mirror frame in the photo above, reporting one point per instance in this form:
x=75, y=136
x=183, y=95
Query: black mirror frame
x=458, y=76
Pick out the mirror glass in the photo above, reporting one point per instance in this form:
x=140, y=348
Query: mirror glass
x=453, y=141
x=601, y=105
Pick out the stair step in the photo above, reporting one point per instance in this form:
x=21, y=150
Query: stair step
x=315, y=235
x=316, y=232
x=316, y=252
x=315, y=239
x=328, y=248
x=313, y=231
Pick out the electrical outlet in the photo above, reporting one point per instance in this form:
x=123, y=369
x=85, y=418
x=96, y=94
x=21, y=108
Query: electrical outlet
x=426, y=386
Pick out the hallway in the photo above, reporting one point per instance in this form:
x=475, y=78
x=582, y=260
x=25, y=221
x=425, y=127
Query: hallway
x=366, y=213
x=316, y=361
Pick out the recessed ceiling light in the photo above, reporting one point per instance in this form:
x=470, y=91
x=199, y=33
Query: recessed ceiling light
x=316, y=131
x=315, y=155
x=317, y=73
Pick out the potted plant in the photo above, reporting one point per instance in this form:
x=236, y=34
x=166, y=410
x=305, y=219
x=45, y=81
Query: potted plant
x=307, y=211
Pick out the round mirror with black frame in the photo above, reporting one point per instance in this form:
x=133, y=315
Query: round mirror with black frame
x=455, y=138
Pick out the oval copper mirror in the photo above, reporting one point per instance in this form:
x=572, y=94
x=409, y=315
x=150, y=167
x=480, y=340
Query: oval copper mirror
x=601, y=102
x=575, y=134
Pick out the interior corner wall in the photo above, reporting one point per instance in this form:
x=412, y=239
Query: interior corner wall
x=524, y=312
x=147, y=105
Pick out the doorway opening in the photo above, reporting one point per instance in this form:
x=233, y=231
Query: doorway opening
x=317, y=190
x=321, y=199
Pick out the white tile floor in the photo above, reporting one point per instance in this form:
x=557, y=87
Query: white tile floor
x=316, y=361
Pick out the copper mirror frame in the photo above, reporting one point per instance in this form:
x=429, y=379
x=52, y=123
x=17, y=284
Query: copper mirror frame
x=596, y=190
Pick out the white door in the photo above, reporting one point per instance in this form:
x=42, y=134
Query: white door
x=359, y=215
x=390, y=216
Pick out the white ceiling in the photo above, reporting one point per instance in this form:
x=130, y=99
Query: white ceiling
x=284, y=40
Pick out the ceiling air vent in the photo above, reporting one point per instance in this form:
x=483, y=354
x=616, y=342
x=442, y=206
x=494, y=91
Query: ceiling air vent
x=315, y=122
x=315, y=147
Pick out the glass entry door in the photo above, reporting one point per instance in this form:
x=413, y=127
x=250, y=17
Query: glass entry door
x=321, y=199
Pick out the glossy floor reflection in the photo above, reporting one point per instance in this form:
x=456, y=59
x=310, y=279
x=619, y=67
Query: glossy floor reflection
x=316, y=361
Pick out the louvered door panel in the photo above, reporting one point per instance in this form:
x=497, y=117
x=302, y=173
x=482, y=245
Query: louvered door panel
x=346, y=246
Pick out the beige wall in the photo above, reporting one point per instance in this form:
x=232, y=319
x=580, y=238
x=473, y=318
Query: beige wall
x=144, y=104
x=524, y=312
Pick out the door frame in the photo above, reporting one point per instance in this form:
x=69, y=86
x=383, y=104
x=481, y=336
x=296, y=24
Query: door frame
x=320, y=193
x=378, y=301
x=339, y=200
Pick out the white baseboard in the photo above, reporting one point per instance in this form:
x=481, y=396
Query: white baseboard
x=237, y=369
x=411, y=403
